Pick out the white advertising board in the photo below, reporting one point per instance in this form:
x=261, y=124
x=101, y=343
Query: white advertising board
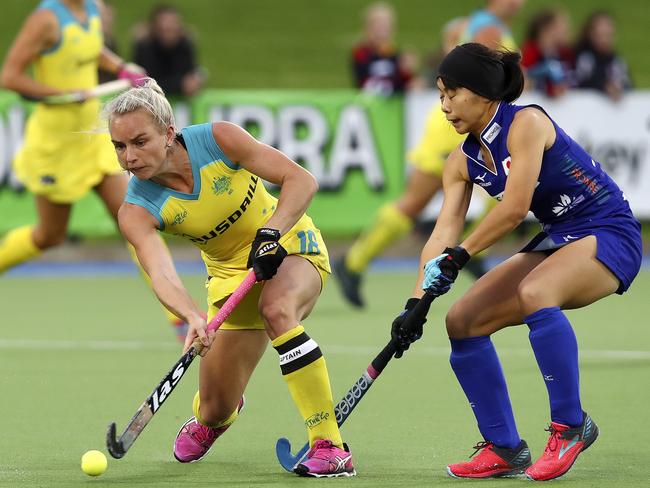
x=617, y=134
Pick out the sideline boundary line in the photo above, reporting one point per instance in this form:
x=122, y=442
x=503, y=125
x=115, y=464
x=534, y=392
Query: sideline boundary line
x=100, y=345
x=45, y=269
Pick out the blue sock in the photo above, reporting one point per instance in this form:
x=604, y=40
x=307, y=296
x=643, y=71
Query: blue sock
x=476, y=365
x=556, y=350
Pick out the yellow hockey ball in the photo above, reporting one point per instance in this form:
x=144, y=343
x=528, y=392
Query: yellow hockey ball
x=94, y=463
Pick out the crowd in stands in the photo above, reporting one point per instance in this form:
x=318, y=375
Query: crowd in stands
x=163, y=47
x=552, y=62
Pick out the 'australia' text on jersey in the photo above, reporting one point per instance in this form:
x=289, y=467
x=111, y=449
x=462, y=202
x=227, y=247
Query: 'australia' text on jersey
x=225, y=224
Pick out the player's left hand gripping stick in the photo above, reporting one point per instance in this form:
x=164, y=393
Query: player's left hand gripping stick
x=118, y=447
x=352, y=398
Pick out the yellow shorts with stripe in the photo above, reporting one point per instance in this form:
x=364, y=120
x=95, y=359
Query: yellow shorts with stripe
x=305, y=242
x=437, y=142
x=64, y=155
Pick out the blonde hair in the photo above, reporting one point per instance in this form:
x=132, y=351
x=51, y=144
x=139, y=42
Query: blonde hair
x=150, y=97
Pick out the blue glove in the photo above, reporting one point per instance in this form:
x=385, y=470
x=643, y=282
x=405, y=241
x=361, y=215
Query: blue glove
x=441, y=272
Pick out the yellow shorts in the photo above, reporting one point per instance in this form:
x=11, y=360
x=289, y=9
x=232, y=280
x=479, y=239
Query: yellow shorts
x=64, y=154
x=306, y=243
x=438, y=141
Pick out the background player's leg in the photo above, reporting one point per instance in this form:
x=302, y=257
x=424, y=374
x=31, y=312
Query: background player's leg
x=421, y=187
x=393, y=221
x=25, y=243
x=112, y=190
x=286, y=299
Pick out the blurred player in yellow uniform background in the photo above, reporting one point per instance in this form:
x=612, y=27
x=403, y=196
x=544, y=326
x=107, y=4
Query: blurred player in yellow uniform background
x=64, y=155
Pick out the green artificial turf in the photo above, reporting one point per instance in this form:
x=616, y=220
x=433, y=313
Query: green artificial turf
x=77, y=353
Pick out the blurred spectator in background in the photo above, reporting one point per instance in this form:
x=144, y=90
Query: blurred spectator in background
x=378, y=66
x=168, y=54
x=597, y=65
x=491, y=26
x=451, y=34
x=547, y=58
x=107, y=14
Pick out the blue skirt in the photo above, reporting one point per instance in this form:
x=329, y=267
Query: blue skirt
x=618, y=238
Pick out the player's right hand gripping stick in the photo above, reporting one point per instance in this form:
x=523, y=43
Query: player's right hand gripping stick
x=266, y=254
x=407, y=326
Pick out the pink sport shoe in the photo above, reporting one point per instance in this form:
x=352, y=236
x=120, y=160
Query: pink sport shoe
x=325, y=460
x=194, y=440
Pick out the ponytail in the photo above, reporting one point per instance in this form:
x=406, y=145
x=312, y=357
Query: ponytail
x=514, y=76
x=149, y=97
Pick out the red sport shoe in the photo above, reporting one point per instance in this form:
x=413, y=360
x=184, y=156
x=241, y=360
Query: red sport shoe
x=562, y=449
x=493, y=462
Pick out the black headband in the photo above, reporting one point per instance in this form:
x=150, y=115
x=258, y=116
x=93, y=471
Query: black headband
x=475, y=71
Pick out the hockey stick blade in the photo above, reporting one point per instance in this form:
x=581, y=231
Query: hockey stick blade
x=283, y=451
x=118, y=447
x=344, y=408
x=115, y=447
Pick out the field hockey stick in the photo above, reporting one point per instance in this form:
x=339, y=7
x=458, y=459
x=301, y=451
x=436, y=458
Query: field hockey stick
x=118, y=447
x=108, y=88
x=352, y=398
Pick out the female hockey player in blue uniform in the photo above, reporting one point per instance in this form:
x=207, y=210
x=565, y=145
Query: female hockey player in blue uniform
x=589, y=248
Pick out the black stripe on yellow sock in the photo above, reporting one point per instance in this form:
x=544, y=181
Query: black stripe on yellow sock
x=297, y=353
x=292, y=343
x=301, y=361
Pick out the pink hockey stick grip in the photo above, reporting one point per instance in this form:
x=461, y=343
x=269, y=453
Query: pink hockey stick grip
x=233, y=301
x=135, y=78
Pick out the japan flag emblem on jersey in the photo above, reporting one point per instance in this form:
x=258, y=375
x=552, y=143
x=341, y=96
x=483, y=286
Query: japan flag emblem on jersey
x=506, y=165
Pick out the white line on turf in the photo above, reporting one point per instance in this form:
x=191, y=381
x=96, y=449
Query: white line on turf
x=95, y=345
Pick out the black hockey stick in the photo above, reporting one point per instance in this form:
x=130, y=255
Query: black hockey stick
x=118, y=447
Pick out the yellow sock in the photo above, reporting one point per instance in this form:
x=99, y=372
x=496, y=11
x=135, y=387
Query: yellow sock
x=389, y=226
x=170, y=316
x=303, y=368
x=17, y=247
x=196, y=404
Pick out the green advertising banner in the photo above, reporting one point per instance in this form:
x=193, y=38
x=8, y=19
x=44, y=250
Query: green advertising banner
x=352, y=143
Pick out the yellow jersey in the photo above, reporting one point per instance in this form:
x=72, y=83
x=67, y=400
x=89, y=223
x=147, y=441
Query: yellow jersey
x=63, y=155
x=437, y=142
x=72, y=63
x=222, y=214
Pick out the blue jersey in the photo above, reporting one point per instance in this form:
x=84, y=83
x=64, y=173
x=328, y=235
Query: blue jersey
x=573, y=197
x=571, y=187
